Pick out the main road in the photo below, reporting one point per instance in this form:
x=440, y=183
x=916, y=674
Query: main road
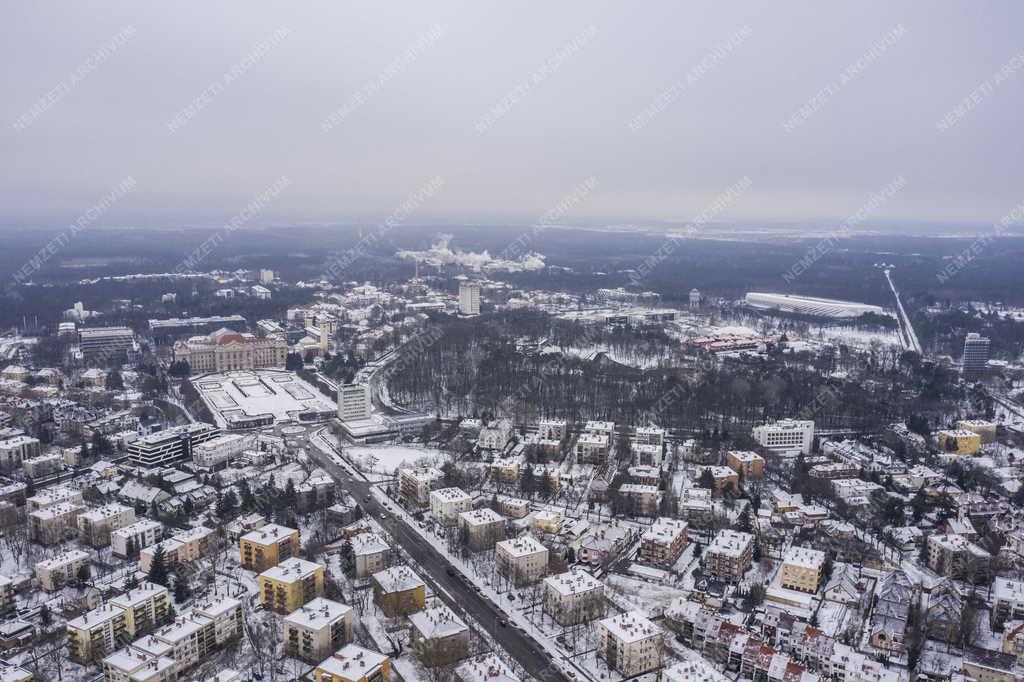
x=910, y=337
x=459, y=595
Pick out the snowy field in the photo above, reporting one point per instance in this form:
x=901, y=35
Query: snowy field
x=384, y=459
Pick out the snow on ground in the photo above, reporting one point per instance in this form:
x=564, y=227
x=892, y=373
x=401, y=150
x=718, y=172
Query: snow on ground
x=640, y=594
x=384, y=459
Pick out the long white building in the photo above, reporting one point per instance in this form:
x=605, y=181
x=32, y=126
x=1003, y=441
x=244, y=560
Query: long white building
x=809, y=305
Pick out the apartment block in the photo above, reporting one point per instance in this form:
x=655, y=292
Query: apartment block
x=127, y=542
x=96, y=525
x=745, y=462
x=723, y=477
x=630, y=643
x=729, y=555
x=592, y=448
x=438, y=636
x=43, y=465
x=55, y=523
x=53, y=574
x=312, y=632
x=290, y=584
x=353, y=663
x=370, y=553
x=268, y=546
x=643, y=500
x=51, y=496
x=573, y=597
x=132, y=614
x=959, y=441
x=481, y=528
x=950, y=555
x=663, y=543
x=416, y=484
x=447, y=503
x=521, y=560
x=801, y=569
x=986, y=430
x=398, y=591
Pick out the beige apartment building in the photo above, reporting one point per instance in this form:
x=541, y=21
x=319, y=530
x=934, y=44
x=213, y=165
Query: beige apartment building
x=53, y=574
x=438, y=636
x=801, y=569
x=127, y=542
x=630, y=643
x=398, y=591
x=55, y=523
x=415, y=484
x=481, y=528
x=447, y=503
x=315, y=631
x=95, y=525
x=522, y=560
x=573, y=597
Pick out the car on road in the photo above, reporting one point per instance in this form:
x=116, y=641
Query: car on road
x=503, y=623
x=383, y=517
x=369, y=497
x=450, y=570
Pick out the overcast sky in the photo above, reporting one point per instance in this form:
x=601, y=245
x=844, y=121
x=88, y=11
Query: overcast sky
x=416, y=90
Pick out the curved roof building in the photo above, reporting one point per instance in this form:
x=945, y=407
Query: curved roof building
x=808, y=305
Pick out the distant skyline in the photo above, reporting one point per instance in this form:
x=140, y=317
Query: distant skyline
x=351, y=108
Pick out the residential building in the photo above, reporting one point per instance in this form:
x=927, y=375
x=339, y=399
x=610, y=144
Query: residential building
x=353, y=663
x=190, y=638
x=604, y=543
x=481, y=528
x=54, y=573
x=135, y=664
x=663, y=542
x=723, y=477
x=955, y=556
x=370, y=554
x=552, y=429
x=222, y=449
x=51, y=496
x=592, y=448
x=267, y=546
x=398, y=591
x=16, y=449
x=986, y=430
x=353, y=402
x=95, y=525
x=1007, y=600
x=438, y=636
x=514, y=507
x=182, y=547
x=894, y=597
x=290, y=584
x=41, y=466
x=745, y=462
x=132, y=614
x=447, y=503
x=495, y=436
x=547, y=521
x=729, y=555
x=55, y=523
x=959, y=441
x=788, y=436
x=469, y=298
x=801, y=569
x=225, y=350
x=128, y=541
x=649, y=435
x=416, y=484
x=312, y=632
x=647, y=455
x=521, y=560
x=169, y=445
x=573, y=597
x=226, y=614
x=630, y=643
x=641, y=500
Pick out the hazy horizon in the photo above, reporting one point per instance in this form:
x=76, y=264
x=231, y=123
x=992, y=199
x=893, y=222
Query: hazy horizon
x=359, y=106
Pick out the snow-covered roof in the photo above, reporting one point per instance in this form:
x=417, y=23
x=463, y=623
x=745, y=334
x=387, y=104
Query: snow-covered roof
x=398, y=579
x=437, y=622
x=632, y=626
x=317, y=614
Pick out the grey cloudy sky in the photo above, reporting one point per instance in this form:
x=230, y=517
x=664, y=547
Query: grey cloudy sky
x=125, y=112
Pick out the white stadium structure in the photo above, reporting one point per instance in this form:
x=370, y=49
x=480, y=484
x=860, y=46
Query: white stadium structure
x=807, y=305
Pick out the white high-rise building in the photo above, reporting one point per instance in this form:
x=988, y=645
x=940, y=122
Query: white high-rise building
x=975, y=353
x=694, y=299
x=353, y=402
x=469, y=298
